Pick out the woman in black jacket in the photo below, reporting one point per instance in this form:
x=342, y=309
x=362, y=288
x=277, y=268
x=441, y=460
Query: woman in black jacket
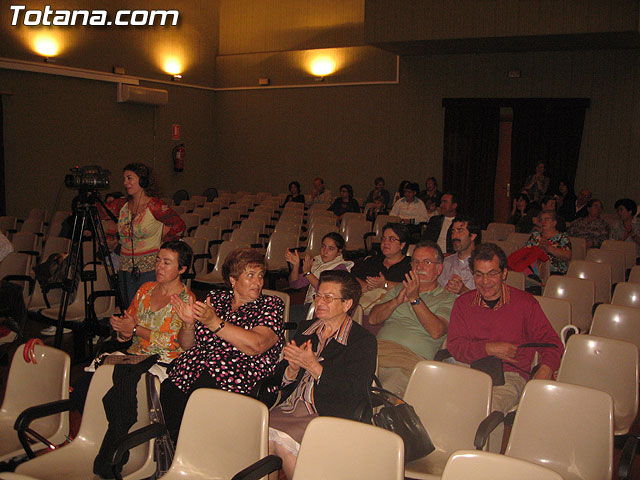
x=327, y=367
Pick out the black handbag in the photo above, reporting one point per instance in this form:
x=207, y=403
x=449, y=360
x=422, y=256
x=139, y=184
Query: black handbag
x=399, y=417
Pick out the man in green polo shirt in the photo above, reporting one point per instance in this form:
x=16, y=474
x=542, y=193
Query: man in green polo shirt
x=415, y=316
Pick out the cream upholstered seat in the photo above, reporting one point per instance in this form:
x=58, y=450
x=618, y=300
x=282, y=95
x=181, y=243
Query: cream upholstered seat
x=353, y=230
x=627, y=294
x=500, y=231
x=605, y=364
x=278, y=243
x=220, y=434
x=342, y=449
x=75, y=460
x=516, y=279
x=215, y=275
x=612, y=257
x=451, y=401
x=628, y=248
x=518, y=238
x=314, y=239
x=580, y=292
x=617, y=321
x=34, y=383
x=478, y=465
x=578, y=248
x=545, y=430
x=557, y=311
x=600, y=273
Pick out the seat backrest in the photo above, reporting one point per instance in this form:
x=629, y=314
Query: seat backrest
x=627, y=294
x=545, y=429
x=634, y=275
x=278, y=243
x=199, y=246
x=38, y=214
x=245, y=234
x=605, y=364
x=353, y=233
x=614, y=258
x=285, y=298
x=578, y=248
x=8, y=223
x=617, y=321
x=501, y=230
x=516, y=279
x=466, y=464
x=235, y=432
x=557, y=311
x=444, y=395
x=579, y=291
x=507, y=246
x=626, y=247
x=25, y=242
x=342, y=449
x=44, y=381
x=518, y=239
x=17, y=264
x=55, y=245
x=33, y=225
x=600, y=273
x=199, y=199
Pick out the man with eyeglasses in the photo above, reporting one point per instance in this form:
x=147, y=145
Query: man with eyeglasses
x=456, y=275
x=415, y=315
x=496, y=320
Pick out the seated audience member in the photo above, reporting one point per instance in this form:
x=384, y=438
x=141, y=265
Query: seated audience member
x=565, y=198
x=521, y=214
x=151, y=324
x=537, y=184
x=432, y=208
x=327, y=367
x=330, y=258
x=231, y=341
x=319, y=193
x=378, y=208
x=431, y=191
x=415, y=316
x=400, y=193
x=379, y=189
x=556, y=244
x=592, y=228
x=439, y=227
x=456, y=274
x=386, y=270
x=410, y=209
x=494, y=320
x=294, y=193
x=577, y=209
x=345, y=202
x=627, y=227
x=548, y=205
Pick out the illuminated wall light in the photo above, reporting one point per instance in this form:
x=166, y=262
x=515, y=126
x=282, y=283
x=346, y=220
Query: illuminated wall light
x=46, y=45
x=172, y=66
x=323, y=66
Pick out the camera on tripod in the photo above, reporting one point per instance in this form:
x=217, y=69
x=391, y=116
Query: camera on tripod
x=91, y=177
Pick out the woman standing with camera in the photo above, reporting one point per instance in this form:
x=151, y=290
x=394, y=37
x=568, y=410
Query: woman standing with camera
x=144, y=222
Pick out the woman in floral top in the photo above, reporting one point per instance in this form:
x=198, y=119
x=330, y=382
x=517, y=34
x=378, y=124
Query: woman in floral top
x=232, y=340
x=555, y=243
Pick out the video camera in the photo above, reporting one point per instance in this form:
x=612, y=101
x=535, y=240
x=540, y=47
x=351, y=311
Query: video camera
x=91, y=177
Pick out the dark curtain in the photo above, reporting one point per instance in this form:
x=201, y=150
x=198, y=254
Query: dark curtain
x=3, y=199
x=470, y=153
x=548, y=130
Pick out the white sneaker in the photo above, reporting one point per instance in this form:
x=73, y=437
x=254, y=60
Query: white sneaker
x=51, y=331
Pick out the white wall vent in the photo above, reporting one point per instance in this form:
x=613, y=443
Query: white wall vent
x=142, y=95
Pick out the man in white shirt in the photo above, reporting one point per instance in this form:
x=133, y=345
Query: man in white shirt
x=320, y=194
x=439, y=227
x=410, y=209
x=457, y=276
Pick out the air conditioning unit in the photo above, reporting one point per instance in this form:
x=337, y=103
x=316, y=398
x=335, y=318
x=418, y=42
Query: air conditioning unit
x=142, y=95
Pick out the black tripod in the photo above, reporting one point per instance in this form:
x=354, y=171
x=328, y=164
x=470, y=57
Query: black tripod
x=86, y=218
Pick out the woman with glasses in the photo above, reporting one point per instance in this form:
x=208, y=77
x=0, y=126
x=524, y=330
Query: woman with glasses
x=326, y=369
x=330, y=258
x=231, y=341
x=556, y=244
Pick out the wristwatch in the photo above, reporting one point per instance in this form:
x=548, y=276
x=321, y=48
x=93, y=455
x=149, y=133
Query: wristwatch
x=416, y=301
x=220, y=327
x=305, y=274
x=135, y=329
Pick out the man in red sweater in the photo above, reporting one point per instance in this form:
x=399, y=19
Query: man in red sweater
x=495, y=319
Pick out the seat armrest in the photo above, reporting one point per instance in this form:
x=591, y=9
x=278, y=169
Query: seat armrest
x=260, y=469
x=626, y=458
x=22, y=278
x=33, y=413
x=487, y=426
x=198, y=256
x=133, y=439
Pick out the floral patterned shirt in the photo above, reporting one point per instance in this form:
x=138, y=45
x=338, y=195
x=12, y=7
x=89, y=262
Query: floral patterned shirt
x=231, y=369
x=559, y=240
x=596, y=231
x=164, y=325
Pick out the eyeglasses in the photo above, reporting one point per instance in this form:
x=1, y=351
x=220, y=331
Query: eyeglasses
x=492, y=275
x=390, y=239
x=328, y=298
x=424, y=261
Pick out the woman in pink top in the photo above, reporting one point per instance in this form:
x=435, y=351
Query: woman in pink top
x=144, y=222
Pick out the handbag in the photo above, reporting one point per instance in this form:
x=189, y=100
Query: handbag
x=401, y=418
